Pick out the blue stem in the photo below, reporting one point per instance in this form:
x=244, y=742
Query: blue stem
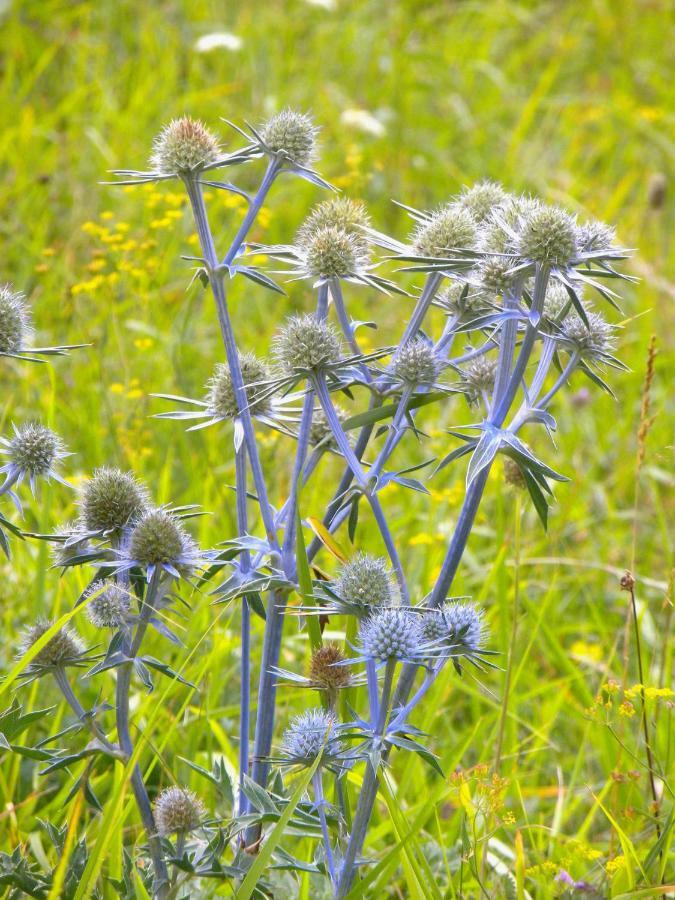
x=321, y=809
x=255, y=206
x=245, y=686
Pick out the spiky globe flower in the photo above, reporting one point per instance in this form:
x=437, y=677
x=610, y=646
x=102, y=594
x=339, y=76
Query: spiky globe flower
x=159, y=539
x=221, y=399
x=74, y=543
x=306, y=342
x=348, y=215
x=548, y=235
x=110, y=500
x=595, y=236
x=365, y=581
x=65, y=648
x=292, y=134
x=325, y=671
x=478, y=378
x=178, y=810
x=184, y=145
x=110, y=609
x=497, y=233
x=450, y=228
x=458, y=300
x=555, y=300
x=464, y=625
x=332, y=252
x=482, y=199
x=495, y=275
x=33, y=451
x=416, y=363
x=309, y=734
x=15, y=325
x=391, y=634
x=320, y=432
x=513, y=475
x=592, y=341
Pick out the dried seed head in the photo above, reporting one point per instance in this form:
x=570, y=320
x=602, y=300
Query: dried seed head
x=183, y=146
x=450, y=228
x=63, y=649
x=14, y=320
x=513, y=475
x=548, y=235
x=464, y=624
x=592, y=340
x=365, y=581
x=391, y=634
x=482, y=198
x=293, y=134
x=479, y=376
x=110, y=608
x=416, y=363
x=110, y=500
x=594, y=236
x=159, y=537
x=323, y=670
x=178, y=809
x=306, y=342
x=34, y=449
x=331, y=252
x=309, y=734
x=221, y=398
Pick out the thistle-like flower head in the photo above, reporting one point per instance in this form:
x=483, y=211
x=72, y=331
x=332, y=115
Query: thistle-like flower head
x=347, y=215
x=450, y=228
x=221, y=399
x=291, y=134
x=556, y=300
x=391, y=634
x=110, y=500
x=482, y=198
x=177, y=810
x=593, y=341
x=325, y=669
x=478, y=378
x=332, y=252
x=513, y=475
x=306, y=343
x=457, y=299
x=548, y=235
x=365, y=582
x=34, y=452
x=65, y=648
x=455, y=624
x=416, y=363
x=15, y=323
x=73, y=543
x=495, y=276
x=110, y=609
x=160, y=539
x=320, y=432
x=309, y=734
x=184, y=145
x=595, y=236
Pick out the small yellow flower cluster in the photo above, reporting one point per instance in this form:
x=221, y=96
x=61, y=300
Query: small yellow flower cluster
x=651, y=693
x=614, y=865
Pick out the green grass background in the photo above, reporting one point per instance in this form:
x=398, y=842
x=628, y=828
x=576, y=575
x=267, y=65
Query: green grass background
x=569, y=100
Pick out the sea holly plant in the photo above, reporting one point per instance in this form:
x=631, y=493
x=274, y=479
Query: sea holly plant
x=499, y=295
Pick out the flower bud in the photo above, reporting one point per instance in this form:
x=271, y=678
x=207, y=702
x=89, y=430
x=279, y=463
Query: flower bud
x=292, y=134
x=478, y=377
x=450, y=228
x=110, y=608
x=464, y=623
x=110, y=500
x=306, y=342
x=309, y=734
x=391, y=634
x=14, y=320
x=416, y=363
x=184, y=145
x=365, y=581
x=221, y=397
x=178, y=809
x=556, y=300
x=320, y=432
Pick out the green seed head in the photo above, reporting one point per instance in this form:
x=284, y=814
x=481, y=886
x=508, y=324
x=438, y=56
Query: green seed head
x=293, y=134
x=63, y=649
x=595, y=236
x=159, y=537
x=416, y=363
x=221, y=398
x=450, y=228
x=365, y=581
x=305, y=342
x=592, y=340
x=481, y=199
x=14, y=320
x=34, y=448
x=548, y=235
x=110, y=500
x=331, y=252
x=183, y=145
x=479, y=376
x=347, y=215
